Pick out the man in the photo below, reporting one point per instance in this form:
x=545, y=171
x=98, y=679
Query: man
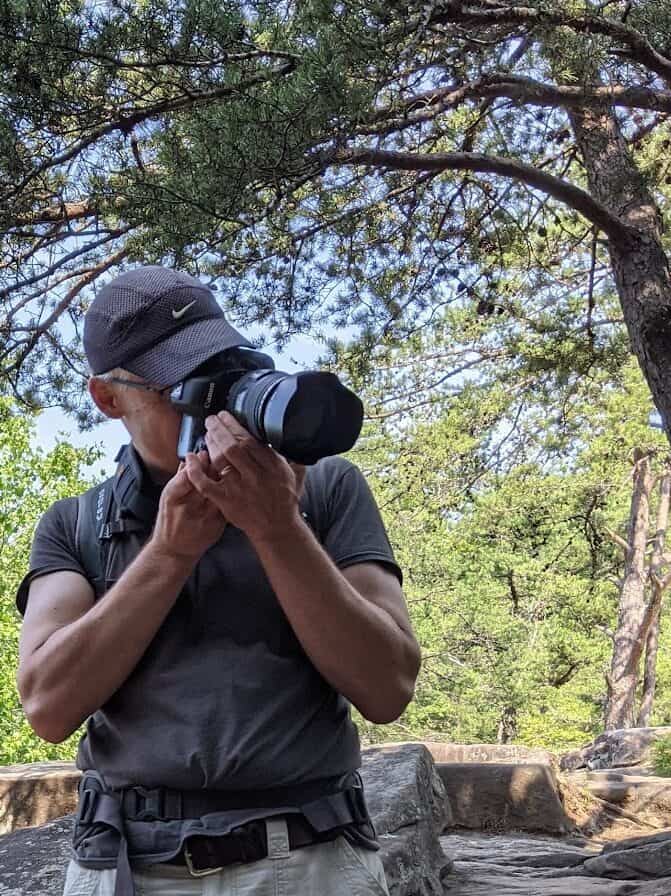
x=216, y=660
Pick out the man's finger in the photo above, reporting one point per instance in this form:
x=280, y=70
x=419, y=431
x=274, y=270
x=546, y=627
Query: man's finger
x=206, y=465
x=229, y=421
x=179, y=486
x=241, y=450
x=217, y=436
x=199, y=479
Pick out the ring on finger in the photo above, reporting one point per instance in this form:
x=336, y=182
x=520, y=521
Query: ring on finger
x=225, y=470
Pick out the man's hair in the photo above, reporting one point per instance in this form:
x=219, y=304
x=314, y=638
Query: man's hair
x=108, y=375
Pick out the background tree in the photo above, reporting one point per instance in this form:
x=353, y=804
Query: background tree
x=642, y=588
x=365, y=164
x=502, y=522
x=30, y=481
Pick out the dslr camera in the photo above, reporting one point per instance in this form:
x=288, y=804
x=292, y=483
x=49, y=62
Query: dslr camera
x=303, y=416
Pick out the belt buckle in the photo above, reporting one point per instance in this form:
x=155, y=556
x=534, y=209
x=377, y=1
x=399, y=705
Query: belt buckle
x=195, y=872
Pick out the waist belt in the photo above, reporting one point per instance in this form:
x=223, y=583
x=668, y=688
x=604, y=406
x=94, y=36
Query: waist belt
x=248, y=843
x=311, y=820
x=166, y=804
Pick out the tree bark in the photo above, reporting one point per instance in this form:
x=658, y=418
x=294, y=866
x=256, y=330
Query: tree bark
x=507, y=730
x=633, y=621
x=657, y=584
x=640, y=265
x=650, y=674
x=641, y=271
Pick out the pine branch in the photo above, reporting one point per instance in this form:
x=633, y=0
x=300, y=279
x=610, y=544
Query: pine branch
x=489, y=12
x=57, y=214
x=82, y=249
x=618, y=540
x=426, y=106
x=126, y=121
x=560, y=189
x=60, y=308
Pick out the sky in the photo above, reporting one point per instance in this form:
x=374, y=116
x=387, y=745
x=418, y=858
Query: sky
x=53, y=425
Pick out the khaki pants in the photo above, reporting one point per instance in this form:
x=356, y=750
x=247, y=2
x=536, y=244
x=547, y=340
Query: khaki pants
x=335, y=868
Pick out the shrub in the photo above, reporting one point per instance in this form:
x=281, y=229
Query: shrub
x=661, y=756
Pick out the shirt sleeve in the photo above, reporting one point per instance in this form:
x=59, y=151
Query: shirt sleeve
x=355, y=532
x=53, y=548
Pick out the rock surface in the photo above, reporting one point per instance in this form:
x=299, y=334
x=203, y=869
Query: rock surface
x=638, y=792
x=33, y=860
x=639, y=858
x=408, y=805
x=37, y=793
x=406, y=800
x=641, y=800
x=522, y=865
x=624, y=747
x=502, y=796
x=499, y=753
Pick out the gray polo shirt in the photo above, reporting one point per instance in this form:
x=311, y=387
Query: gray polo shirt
x=224, y=697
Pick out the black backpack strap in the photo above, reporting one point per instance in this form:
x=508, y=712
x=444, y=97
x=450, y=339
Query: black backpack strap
x=94, y=509
x=98, y=522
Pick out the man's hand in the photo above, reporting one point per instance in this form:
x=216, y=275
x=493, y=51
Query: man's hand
x=187, y=523
x=353, y=623
x=256, y=490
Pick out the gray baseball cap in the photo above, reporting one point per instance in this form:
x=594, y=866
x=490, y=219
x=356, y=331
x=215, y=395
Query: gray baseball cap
x=157, y=323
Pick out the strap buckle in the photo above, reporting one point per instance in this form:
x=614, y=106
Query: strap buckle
x=88, y=800
x=357, y=801
x=244, y=844
x=195, y=872
x=152, y=804
x=90, y=788
x=148, y=804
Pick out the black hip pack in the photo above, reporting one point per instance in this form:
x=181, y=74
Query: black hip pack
x=312, y=818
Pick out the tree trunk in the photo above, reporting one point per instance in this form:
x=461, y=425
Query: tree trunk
x=643, y=281
x=652, y=639
x=639, y=262
x=507, y=731
x=650, y=675
x=629, y=636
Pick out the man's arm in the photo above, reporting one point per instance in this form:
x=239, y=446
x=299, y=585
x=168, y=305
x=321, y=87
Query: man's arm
x=353, y=624
x=74, y=653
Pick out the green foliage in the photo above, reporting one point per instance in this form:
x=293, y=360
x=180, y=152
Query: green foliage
x=30, y=481
x=483, y=324
x=498, y=517
x=209, y=135
x=661, y=756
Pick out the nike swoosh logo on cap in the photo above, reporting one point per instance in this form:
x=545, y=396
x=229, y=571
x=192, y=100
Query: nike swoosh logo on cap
x=182, y=311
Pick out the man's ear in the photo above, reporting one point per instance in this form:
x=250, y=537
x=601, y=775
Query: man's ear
x=105, y=397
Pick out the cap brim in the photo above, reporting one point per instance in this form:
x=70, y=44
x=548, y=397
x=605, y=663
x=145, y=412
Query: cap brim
x=172, y=360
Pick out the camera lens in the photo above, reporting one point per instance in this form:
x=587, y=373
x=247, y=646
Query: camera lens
x=304, y=416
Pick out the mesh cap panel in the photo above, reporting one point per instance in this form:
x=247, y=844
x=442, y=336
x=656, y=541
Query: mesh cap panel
x=157, y=323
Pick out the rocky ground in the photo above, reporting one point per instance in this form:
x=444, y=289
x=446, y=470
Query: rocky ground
x=614, y=838
x=526, y=865
x=453, y=820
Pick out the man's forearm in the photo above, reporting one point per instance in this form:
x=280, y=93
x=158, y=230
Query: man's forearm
x=357, y=646
x=80, y=666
